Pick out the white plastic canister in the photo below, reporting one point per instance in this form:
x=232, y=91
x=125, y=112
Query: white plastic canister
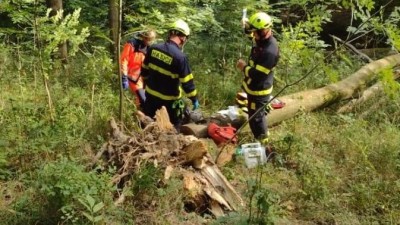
x=254, y=154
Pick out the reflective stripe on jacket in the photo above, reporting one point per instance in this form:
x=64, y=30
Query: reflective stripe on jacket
x=259, y=75
x=167, y=73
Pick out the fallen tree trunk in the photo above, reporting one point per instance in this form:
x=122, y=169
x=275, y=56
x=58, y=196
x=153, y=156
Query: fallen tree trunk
x=367, y=94
x=309, y=100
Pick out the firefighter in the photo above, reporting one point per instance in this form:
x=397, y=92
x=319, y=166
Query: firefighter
x=167, y=75
x=131, y=61
x=259, y=72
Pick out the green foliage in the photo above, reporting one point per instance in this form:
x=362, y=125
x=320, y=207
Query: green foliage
x=392, y=29
x=146, y=181
x=265, y=201
x=92, y=209
x=144, y=14
x=65, y=184
x=94, y=17
x=380, y=26
x=20, y=12
x=391, y=87
x=299, y=55
x=231, y=218
x=98, y=68
x=33, y=139
x=314, y=176
x=328, y=169
x=62, y=30
x=4, y=171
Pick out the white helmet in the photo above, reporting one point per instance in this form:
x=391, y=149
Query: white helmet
x=181, y=26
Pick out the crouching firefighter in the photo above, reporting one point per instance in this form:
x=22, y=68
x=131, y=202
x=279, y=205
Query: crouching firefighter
x=131, y=60
x=168, y=76
x=258, y=72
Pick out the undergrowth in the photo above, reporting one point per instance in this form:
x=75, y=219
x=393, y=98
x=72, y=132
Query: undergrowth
x=328, y=168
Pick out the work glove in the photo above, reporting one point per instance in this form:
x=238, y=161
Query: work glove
x=125, y=82
x=196, y=104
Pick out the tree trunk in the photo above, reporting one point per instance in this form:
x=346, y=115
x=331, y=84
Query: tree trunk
x=56, y=6
x=372, y=91
x=309, y=100
x=313, y=99
x=114, y=26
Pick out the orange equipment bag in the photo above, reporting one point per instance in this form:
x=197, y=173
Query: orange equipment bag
x=221, y=134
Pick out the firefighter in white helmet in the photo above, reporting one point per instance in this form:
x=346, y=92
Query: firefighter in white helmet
x=168, y=76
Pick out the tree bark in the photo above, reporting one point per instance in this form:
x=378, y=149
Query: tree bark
x=114, y=26
x=57, y=6
x=372, y=91
x=198, y=130
x=313, y=99
x=309, y=100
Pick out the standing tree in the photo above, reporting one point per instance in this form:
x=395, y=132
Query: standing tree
x=114, y=26
x=56, y=7
x=115, y=18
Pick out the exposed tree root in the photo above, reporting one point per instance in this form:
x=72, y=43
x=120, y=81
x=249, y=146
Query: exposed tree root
x=160, y=145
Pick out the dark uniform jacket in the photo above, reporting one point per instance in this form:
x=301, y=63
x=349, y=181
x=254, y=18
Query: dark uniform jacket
x=259, y=73
x=166, y=72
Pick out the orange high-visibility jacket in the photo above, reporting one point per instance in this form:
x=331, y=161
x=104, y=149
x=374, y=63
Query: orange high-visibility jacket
x=131, y=61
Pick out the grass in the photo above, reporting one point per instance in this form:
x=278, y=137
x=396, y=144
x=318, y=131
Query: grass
x=328, y=168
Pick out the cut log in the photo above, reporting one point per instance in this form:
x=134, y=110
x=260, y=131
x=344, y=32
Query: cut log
x=195, y=198
x=221, y=185
x=225, y=155
x=216, y=209
x=162, y=120
x=198, y=164
x=192, y=187
x=216, y=196
x=198, y=130
x=195, y=151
